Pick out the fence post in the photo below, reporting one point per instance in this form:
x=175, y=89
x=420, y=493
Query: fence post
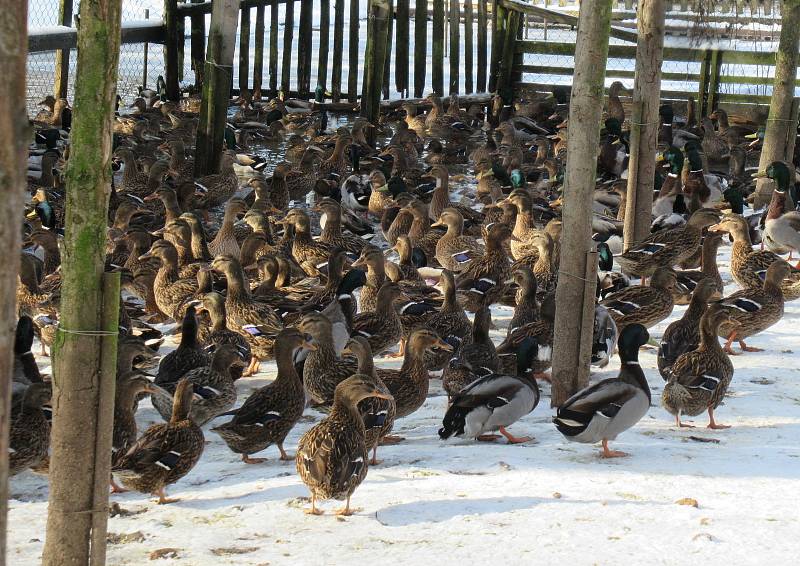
x=244, y=48
x=437, y=54
x=577, y=279
x=505, y=85
x=304, y=49
x=62, y=56
x=145, y=55
x=338, y=49
x=217, y=86
x=498, y=41
x=324, y=44
x=702, y=85
x=420, y=45
x=258, y=55
x=198, y=46
x=171, y=49
x=714, y=70
x=374, y=58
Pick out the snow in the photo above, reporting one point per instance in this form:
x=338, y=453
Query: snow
x=542, y=502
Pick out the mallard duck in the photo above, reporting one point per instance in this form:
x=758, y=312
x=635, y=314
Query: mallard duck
x=26, y=370
x=409, y=258
x=308, y=253
x=165, y=452
x=540, y=332
x=378, y=414
x=494, y=402
x=332, y=456
x=224, y=243
x=753, y=310
x=643, y=305
x=440, y=199
x=699, y=378
x=381, y=327
x=456, y=251
x=217, y=188
x=270, y=412
x=608, y=281
x=256, y=321
x=324, y=369
x=667, y=248
x=186, y=357
x=715, y=147
x=332, y=230
x=29, y=432
x=683, y=335
x=600, y=412
x=604, y=337
x=420, y=233
x=171, y=291
x=130, y=386
x=450, y=323
x=490, y=271
x=542, y=263
x=688, y=279
x=615, y=108
x=476, y=359
x=526, y=307
x=218, y=332
x=781, y=229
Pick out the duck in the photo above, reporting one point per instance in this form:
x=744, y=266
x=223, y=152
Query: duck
x=269, y=414
x=26, y=370
x=643, y=305
x=543, y=263
x=683, y=335
x=218, y=332
x=440, y=199
x=378, y=414
x=615, y=108
x=256, y=321
x=224, y=243
x=667, y=248
x=165, y=452
x=171, y=290
x=332, y=230
x=604, y=337
x=753, y=310
x=332, y=457
x=540, y=333
x=608, y=280
x=308, y=253
x=688, y=279
x=600, y=412
x=183, y=359
x=781, y=229
x=324, y=367
x=699, y=378
x=29, y=428
x=476, y=359
x=215, y=189
x=526, y=307
x=456, y=251
x=382, y=327
x=130, y=386
x=409, y=259
x=491, y=271
x=494, y=402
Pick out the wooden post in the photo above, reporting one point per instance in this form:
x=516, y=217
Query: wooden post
x=401, y=51
x=83, y=374
x=304, y=49
x=498, y=41
x=483, y=23
x=572, y=345
x=324, y=43
x=244, y=49
x=388, y=62
x=145, y=55
x=288, y=36
x=469, y=71
x=61, y=74
x=198, y=46
x=714, y=70
x=374, y=58
x=273, y=47
x=258, y=56
x=780, y=124
x=644, y=120
x=504, y=85
x=217, y=86
x=338, y=50
x=455, y=45
x=438, y=47
x=171, y=49
x=702, y=85
x=354, y=55
x=13, y=190
x=420, y=46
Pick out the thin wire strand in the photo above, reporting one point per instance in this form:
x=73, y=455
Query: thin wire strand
x=87, y=332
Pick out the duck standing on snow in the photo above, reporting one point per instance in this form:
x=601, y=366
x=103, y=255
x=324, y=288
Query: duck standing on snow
x=602, y=411
x=332, y=456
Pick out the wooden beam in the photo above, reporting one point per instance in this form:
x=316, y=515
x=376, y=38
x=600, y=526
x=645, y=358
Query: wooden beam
x=61, y=74
x=338, y=49
x=286, y=59
x=354, y=54
x=258, y=55
x=62, y=37
x=244, y=48
x=304, y=45
x=171, y=70
x=324, y=43
x=438, y=47
x=374, y=58
x=420, y=46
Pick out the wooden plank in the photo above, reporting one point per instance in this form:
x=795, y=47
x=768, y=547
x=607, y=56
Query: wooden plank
x=402, y=46
x=198, y=47
x=715, y=68
x=324, y=43
x=258, y=55
x=455, y=45
x=273, y=47
x=244, y=49
x=702, y=85
x=468, y=47
x=180, y=28
x=61, y=74
x=354, y=56
x=171, y=49
x=62, y=37
x=438, y=47
x=375, y=57
x=420, y=46
x=288, y=36
x=665, y=94
x=498, y=41
x=504, y=81
x=483, y=23
x=388, y=63
x=304, y=46
x=338, y=49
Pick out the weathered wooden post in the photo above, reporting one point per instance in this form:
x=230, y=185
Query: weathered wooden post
x=338, y=49
x=13, y=186
x=644, y=119
x=84, y=352
x=258, y=55
x=781, y=126
x=505, y=86
x=437, y=48
x=420, y=45
x=198, y=46
x=171, y=62
x=304, y=49
x=244, y=49
x=374, y=58
x=324, y=43
x=218, y=78
x=577, y=271
x=145, y=54
x=61, y=74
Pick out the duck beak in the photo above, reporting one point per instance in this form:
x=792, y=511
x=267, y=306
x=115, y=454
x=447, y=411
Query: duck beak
x=715, y=228
x=437, y=223
x=513, y=238
x=148, y=255
x=382, y=395
x=444, y=346
x=759, y=175
x=359, y=262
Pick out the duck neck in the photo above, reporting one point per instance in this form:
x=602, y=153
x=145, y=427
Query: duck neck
x=168, y=272
x=697, y=307
x=130, y=171
x=218, y=319
x=171, y=207
x=333, y=227
x=449, y=303
x=419, y=227
x=237, y=286
x=777, y=204
x=742, y=246
x=344, y=409
x=524, y=222
x=709, y=342
x=414, y=363
x=199, y=245
x=632, y=373
x=709, y=259
x=287, y=374
x=441, y=197
x=376, y=275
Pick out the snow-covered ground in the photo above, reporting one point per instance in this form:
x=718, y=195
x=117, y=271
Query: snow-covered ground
x=544, y=502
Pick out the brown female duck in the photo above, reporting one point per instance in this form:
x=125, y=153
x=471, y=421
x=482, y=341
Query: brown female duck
x=643, y=305
x=332, y=230
x=224, y=243
x=450, y=322
x=456, y=251
x=473, y=360
x=323, y=369
x=309, y=253
x=171, y=291
x=491, y=271
x=218, y=332
x=29, y=432
x=217, y=188
x=381, y=327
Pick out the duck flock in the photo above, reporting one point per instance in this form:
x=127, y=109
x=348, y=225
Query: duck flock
x=342, y=249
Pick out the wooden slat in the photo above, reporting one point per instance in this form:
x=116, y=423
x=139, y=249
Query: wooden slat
x=324, y=43
x=665, y=94
x=354, y=56
x=420, y=46
x=244, y=49
x=498, y=41
x=401, y=49
x=258, y=55
x=468, y=47
x=388, y=59
x=288, y=35
x=198, y=47
x=483, y=23
x=338, y=49
x=61, y=75
x=455, y=45
x=273, y=47
x=438, y=47
x=304, y=48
